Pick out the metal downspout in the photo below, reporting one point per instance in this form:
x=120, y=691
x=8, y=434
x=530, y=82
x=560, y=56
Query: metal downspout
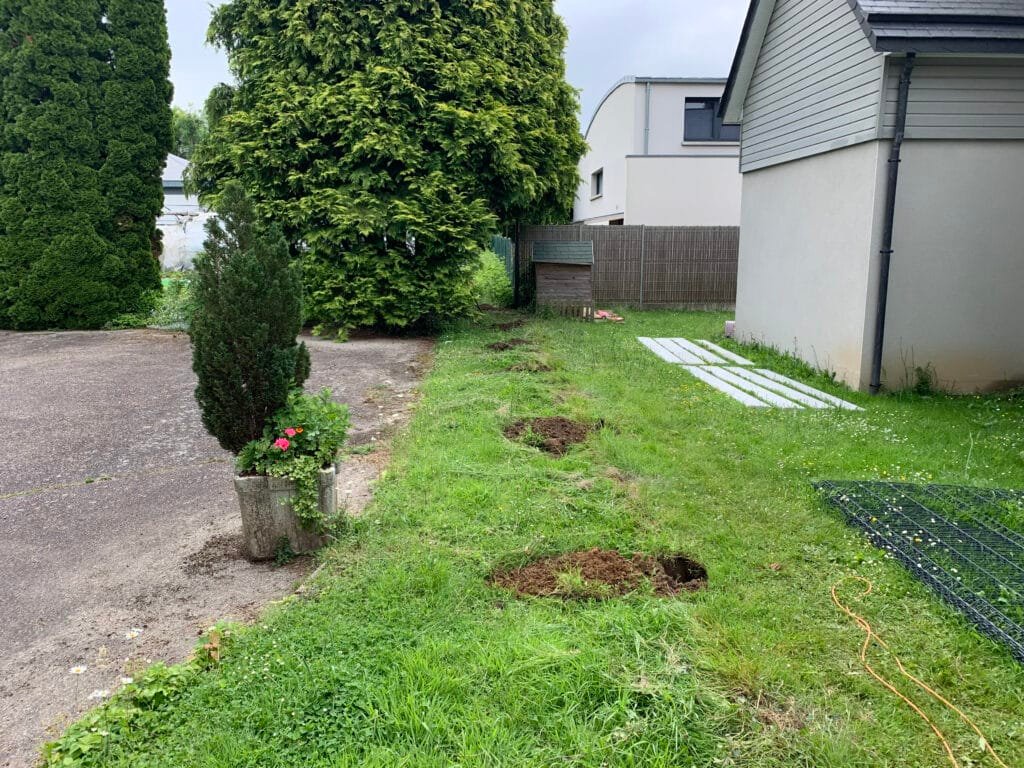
x=647, y=121
x=890, y=221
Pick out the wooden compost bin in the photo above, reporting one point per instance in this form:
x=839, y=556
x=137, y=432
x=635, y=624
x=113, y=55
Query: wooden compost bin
x=565, y=277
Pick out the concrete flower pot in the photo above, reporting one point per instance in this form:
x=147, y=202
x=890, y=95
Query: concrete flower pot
x=267, y=515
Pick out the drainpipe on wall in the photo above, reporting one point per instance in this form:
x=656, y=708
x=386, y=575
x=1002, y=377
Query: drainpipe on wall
x=647, y=121
x=890, y=222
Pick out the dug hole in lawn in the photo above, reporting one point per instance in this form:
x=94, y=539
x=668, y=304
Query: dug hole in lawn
x=598, y=574
x=553, y=434
x=505, y=346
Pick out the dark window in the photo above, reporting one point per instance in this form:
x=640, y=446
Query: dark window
x=617, y=222
x=597, y=183
x=702, y=123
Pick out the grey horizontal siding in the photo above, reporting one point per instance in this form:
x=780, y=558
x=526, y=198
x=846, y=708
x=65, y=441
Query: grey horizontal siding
x=968, y=98
x=817, y=85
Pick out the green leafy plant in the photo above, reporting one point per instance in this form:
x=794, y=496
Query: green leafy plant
x=303, y=438
x=248, y=313
x=491, y=284
x=190, y=128
x=283, y=552
x=169, y=308
x=391, y=139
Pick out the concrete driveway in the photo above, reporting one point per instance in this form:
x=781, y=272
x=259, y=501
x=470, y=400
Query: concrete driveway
x=118, y=521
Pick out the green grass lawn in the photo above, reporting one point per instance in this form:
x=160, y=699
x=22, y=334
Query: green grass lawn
x=400, y=654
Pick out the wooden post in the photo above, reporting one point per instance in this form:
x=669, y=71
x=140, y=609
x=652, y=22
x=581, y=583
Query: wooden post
x=516, y=299
x=643, y=247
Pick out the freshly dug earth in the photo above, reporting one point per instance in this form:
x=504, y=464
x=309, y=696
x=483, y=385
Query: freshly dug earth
x=510, y=326
x=601, y=574
x=504, y=346
x=533, y=366
x=552, y=434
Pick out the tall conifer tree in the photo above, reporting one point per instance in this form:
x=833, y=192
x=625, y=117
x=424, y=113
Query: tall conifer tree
x=136, y=123
x=392, y=138
x=74, y=250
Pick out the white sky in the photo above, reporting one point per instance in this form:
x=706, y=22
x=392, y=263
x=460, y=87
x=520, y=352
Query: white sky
x=608, y=39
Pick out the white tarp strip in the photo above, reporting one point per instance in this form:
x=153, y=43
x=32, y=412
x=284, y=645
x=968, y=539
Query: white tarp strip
x=685, y=356
x=671, y=353
x=702, y=373
x=757, y=390
x=705, y=356
x=782, y=389
x=731, y=356
x=808, y=390
x=659, y=350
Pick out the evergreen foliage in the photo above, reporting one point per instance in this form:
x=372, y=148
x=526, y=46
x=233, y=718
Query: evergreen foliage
x=248, y=313
x=190, y=128
x=391, y=139
x=85, y=105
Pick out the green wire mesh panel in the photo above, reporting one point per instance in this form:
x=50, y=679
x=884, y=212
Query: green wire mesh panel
x=964, y=543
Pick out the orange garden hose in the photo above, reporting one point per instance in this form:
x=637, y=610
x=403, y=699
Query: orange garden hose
x=869, y=637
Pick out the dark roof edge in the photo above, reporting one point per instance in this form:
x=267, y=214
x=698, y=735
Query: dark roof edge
x=730, y=84
x=960, y=45
x=946, y=19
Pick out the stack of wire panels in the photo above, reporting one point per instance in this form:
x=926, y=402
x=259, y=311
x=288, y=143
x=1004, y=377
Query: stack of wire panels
x=966, y=544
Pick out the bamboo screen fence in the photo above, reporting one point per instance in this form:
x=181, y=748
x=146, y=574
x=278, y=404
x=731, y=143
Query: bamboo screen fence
x=640, y=266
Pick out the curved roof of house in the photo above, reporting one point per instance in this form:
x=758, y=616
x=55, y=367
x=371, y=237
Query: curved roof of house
x=637, y=80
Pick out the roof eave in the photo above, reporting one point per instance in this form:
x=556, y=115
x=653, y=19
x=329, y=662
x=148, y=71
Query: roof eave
x=901, y=44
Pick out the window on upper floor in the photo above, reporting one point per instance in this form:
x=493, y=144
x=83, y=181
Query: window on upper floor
x=702, y=123
x=597, y=183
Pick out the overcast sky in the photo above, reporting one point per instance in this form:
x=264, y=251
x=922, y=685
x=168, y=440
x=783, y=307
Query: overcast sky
x=608, y=39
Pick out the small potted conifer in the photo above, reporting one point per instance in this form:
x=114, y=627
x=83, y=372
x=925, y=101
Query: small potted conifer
x=251, y=368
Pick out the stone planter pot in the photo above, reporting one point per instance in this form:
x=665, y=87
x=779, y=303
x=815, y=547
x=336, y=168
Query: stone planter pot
x=267, y=515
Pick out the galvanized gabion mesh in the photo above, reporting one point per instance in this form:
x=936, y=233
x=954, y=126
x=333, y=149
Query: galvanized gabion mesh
x=964, y=543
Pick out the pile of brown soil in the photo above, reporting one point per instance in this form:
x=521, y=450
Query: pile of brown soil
x=215, y=556
x=552, y=434
x=531, y=366
x=504, y=346
x=601, y=574
x=510, y=326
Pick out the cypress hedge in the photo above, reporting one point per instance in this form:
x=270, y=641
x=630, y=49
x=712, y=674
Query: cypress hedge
x=85, y=108
x=392, y=139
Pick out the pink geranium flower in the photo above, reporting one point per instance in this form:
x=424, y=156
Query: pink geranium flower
x=290, y=432
x=282, y=444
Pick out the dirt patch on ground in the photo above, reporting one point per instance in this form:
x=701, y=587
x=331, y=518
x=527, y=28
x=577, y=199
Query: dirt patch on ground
x=215, y=556
x=552, y=434
x=504, y=346
x=511, y=325
x=601, y=574
x=531, y=366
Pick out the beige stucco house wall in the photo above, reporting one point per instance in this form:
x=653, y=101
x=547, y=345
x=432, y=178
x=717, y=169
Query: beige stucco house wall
x=816, y=144
x=650, y=174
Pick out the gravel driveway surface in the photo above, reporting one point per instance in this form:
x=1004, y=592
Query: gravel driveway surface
x=118, y=520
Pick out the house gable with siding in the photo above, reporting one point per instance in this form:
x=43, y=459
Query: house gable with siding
x=815, y=86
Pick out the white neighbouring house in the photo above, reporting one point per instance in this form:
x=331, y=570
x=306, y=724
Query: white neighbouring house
x=183, y=219
x=820, y=88
x=660, y=156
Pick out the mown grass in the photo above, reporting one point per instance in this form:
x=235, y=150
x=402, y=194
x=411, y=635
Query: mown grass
x=402, y=655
